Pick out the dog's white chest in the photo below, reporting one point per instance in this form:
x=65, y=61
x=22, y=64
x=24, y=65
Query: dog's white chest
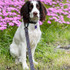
x=34, y=36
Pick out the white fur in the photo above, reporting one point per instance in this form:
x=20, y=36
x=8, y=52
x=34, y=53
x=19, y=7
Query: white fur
x=18, y=47
x=34, y=10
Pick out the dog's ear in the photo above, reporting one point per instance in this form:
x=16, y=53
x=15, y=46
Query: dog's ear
x=24, y=11
x=43, y=12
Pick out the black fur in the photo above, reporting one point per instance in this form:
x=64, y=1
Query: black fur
x=25, y=11
x=43, y=11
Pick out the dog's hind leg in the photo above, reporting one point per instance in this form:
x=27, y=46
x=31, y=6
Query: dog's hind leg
x=14, y=51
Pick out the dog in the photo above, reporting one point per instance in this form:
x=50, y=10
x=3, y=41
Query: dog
x=31, y=12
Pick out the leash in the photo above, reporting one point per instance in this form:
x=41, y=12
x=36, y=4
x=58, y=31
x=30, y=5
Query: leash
x=28, y=46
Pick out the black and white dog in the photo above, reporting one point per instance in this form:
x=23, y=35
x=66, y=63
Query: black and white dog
x=31, y=11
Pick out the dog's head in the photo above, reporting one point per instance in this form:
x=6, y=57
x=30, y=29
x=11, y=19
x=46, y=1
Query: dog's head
x=33, y=11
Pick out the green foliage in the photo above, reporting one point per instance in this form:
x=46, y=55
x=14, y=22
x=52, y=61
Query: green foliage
x=46, y=53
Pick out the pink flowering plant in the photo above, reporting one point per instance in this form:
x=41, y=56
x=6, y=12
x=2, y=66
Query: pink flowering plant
x=53, y=50
x=10, y=12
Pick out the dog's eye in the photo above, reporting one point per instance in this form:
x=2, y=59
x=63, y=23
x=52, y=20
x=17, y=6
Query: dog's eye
x=31, y=6
x=37, y=5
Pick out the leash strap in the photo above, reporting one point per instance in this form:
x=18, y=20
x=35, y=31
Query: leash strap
x=28, y=46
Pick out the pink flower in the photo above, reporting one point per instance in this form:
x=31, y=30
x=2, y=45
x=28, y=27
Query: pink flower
x=49, y=22
x=68, y=16
x=10, y=12
x=11, y=24
x=61, y=17
x=2, y=28
x=60, y=22
x=40, y=23
x=68, y=22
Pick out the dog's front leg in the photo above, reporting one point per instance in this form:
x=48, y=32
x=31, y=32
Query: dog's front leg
x=23, y=56
x=33, y=51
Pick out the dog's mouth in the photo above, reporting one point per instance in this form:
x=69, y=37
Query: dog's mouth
x=34, y=19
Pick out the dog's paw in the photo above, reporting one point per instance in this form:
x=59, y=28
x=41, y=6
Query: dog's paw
x=35, y=62
x=17, y=61
x=25, y=66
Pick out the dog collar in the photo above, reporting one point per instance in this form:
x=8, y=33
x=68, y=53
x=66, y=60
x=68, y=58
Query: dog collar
x=32, y=22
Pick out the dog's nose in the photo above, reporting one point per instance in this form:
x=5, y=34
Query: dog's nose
x=35, y=13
